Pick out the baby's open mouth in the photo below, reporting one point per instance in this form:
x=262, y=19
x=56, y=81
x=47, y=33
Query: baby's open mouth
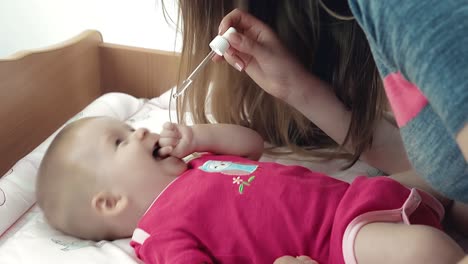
x=156, y=150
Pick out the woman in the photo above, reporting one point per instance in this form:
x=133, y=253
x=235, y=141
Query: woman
x=322, y=67
x=324, y=43
x=335, y=51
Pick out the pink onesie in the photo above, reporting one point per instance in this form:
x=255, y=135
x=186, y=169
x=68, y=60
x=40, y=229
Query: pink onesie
x=227, y=209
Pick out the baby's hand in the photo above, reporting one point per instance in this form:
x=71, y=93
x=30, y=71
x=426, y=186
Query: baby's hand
x=295, y=260
x=176, y=140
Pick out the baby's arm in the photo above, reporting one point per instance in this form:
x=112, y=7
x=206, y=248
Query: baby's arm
x=179, y=140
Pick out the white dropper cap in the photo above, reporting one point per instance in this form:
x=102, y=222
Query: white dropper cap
x=220, y=44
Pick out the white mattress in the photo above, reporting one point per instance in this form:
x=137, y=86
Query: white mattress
x=26, y=238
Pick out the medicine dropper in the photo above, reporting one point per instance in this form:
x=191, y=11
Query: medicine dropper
x=218, y=45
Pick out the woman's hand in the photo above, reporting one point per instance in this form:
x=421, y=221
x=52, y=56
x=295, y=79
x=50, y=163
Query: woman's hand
x=256, y=49
x=176, y=140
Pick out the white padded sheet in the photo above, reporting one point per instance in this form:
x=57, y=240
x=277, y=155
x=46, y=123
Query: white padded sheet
x=26, y=238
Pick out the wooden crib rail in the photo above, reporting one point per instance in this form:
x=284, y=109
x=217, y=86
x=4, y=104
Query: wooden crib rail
x=40, y=90
x=140, y=72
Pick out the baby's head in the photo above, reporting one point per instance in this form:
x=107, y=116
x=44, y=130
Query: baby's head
x=99, y=176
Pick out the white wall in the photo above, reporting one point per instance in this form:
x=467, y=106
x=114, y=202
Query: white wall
x=31, y=24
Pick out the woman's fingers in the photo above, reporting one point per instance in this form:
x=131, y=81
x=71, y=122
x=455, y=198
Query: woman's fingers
x=242, y=22
x=217, y=58
x=257, y=50
x=236, y=59
x=244, y=44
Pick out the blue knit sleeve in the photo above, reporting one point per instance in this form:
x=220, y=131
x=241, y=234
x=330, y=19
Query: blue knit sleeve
x=427, y=42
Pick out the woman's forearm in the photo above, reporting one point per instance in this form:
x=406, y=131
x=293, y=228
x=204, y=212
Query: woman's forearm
x=313, y=98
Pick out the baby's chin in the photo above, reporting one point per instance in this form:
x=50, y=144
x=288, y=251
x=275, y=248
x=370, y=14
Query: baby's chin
x=178, y=166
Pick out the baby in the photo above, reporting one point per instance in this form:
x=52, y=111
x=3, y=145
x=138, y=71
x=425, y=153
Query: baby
x=101, y=179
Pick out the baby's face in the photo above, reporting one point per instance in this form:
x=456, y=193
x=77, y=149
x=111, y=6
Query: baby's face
x=124, y=159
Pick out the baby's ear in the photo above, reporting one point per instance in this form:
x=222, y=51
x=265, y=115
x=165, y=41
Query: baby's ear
x=109, y=204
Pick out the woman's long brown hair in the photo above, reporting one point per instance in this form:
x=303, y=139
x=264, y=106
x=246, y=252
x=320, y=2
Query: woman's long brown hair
x=335, y=51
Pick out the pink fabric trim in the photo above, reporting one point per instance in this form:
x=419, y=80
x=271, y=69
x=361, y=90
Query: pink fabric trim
x=397, y=215
x=139, y=236
x=405, y=98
